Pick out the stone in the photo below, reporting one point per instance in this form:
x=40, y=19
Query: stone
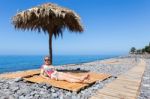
x=52, y=90
x=16, y=96
x=67, y=97
x=41, y=85
x=36, y=96
x=11, y=97
x=23, y=91
x=73, y=97
x=54, y=95
x=22, y=97
x=18, y=79
x=4, y=97
x=68, y=93
x=5, y=86
x=14, y=89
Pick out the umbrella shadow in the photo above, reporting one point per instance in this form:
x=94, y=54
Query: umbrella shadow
x=78, y=70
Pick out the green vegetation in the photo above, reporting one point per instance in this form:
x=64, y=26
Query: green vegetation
x=145, y=50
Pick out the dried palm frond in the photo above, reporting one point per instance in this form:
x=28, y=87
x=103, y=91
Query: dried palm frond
x=48, y=17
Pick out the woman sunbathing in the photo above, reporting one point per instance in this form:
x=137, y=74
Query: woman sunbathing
x=48, y=71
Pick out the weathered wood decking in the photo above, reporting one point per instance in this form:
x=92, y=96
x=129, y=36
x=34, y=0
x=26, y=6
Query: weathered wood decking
x=76, y=87
x=33, y=76
x=126, y=86
x=20, y=74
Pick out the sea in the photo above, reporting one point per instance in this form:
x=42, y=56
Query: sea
x=11, y=63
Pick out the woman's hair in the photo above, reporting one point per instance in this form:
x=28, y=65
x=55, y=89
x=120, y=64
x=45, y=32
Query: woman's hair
x=47, y=57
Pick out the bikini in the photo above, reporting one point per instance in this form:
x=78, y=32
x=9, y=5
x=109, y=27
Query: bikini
x=50, y=72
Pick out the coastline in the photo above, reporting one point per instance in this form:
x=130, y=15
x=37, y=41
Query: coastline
x=12, y=88
x=71, y=64
x=28, y=62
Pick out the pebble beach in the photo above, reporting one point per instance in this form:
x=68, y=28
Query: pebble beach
x=20, y=89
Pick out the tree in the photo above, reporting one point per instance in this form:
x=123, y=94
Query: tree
x=133, y=50
x=147, y=49
x=143, y=50
x=139, y=51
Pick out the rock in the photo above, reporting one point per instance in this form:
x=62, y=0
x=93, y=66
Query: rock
x=29, y=97
x=52, y=90
x=11, y=97
x=73, y=97
x=68, y=93
x=146, y=78
x=14, y=89
x=4, y=97
x=18, y=79
x=5, y=86
x=32, y=93
x=62, y=96
x=146, y=85
x=54, y=95
x=67, y=97
x=36, y=96
x=23, y=91
x=48, y=86
x=16, y=96
x=41, y=85
x=22, y=97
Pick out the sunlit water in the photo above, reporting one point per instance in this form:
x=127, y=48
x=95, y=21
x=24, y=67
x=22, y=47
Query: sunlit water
x=17, y=63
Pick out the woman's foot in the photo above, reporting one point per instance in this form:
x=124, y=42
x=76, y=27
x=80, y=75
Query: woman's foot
x=86, y=81
x=85, y=77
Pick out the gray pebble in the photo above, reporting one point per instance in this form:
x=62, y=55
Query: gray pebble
x=18, y=79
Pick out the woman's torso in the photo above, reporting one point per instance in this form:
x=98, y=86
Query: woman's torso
x=48, y=69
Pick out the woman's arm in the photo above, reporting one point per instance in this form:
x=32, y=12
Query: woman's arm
x=42, y=74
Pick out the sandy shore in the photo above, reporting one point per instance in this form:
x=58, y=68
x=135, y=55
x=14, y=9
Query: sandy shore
x=20, y=89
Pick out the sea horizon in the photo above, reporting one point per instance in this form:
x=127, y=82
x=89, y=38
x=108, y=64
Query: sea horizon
x=12, y=63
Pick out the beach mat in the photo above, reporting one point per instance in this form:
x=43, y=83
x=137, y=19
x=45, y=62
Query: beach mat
x=20, y=74
x=67, y=85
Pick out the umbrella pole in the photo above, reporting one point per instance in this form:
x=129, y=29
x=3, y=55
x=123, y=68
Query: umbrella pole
x=50, y=48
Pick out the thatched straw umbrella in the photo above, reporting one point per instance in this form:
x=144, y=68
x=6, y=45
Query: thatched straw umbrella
x=50, y=18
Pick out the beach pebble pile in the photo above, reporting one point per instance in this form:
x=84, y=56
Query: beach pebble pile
x=145, y=86
x=20, y=89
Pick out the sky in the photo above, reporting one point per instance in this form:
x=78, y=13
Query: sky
x=110, y=27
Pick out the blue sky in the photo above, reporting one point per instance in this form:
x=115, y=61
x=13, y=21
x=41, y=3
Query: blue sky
x=111, y=27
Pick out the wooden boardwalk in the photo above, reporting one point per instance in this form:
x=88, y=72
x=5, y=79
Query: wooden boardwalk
x=126, y=86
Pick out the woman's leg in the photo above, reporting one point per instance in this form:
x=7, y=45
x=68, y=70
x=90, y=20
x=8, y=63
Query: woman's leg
x=63, y=76
x=75, y=77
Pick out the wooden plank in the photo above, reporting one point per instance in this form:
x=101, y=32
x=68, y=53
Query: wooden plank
x=130, y=77
x=123, y=89
x=117, y=82
x=20, y=74
x=102, y=96
x=94, y=97
x=124, y=86
x=131, y=74
x=115, y=93
x=128, y=80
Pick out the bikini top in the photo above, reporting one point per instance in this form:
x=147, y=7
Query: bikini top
x=47, y=68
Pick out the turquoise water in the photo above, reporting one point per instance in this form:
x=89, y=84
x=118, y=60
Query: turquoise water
x=17, y=63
